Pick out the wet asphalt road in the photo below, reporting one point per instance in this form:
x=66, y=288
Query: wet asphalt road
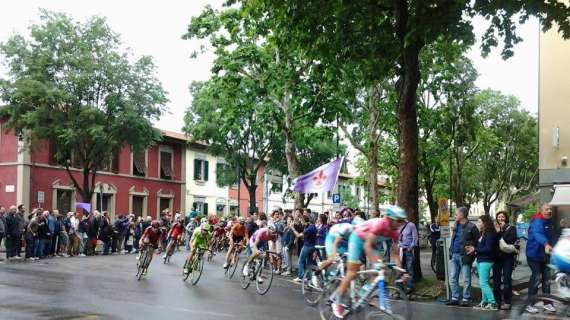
x=105, y=287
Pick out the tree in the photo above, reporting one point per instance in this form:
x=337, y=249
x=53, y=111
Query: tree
x=71, y=84
x=504, y=136
x=393, y=34
x=282, y=78
x=228, y=115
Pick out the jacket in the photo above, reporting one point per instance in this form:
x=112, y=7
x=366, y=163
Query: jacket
x=288, y=238
x=2, y=226
x=509, y=234
x=487, y=248
x=12, y=225
x=469, y=236
x=539, y=234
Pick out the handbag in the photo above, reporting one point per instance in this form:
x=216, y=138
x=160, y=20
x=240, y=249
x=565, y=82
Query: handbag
x=505, y=247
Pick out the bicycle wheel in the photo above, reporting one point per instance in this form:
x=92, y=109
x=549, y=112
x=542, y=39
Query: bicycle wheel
x=197, y=268
x=185, y=275
x=232, y=268
x=396, y=306
x=143, y=264
x=561, y=306
x=264, y=276
x=244, y=280
x=325, y=301
x=312, y=286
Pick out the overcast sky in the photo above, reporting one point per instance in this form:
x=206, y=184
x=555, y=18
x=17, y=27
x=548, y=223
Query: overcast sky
x=155, y=28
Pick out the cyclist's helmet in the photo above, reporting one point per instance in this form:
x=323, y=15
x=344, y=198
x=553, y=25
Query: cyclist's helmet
x=206, y=227
x=396, y=213
x=203, y=221
x=271, y=228
x=155, y=224
x=241, y=220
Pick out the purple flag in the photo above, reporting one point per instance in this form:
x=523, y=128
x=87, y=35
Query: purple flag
x=83, y=205
x=322, y=179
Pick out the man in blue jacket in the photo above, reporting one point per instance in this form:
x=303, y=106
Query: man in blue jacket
x=538, y=247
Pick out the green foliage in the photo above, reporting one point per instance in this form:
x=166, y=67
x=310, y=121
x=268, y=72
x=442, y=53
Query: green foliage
x=348, y=199
x=70, y=83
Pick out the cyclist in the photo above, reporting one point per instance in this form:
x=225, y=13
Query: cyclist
x=336, y=242
x=151, y=237
x=174, y=235
x=363, y=242
x=200, y=239
x=258, y=243
x=237, y=235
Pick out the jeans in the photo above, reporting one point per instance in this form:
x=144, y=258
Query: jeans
x=287, y=258
x=31, y=244
x=458, y=267
x=484, y=269
x=408, y=264
x=106, y=246
x=11, y=244
x=539, y=270
x=387, y=250
x=502, y=274
x=41, y=248
x=305, y=259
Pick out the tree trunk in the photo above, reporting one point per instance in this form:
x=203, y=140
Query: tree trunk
x=252, y=201
x=291, y=153
x=373, y=154
x=307, y=199
x=432, y=203
x=86, y=192
x=408, y=129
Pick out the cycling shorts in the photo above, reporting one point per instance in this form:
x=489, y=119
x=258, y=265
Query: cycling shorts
x=261, y=246
x=356, y=249
x=329, y=245
x=237, y=239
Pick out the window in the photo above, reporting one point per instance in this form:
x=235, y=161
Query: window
x=166, y=165
x=276, y=187
x=233, y=210
x=329, y=195
x=139, y=163
x=138, y=205
x=358, y=191
x=64, y=199
x=103, y=203
x=200, y=170
x=112, y=165
x=200, y=206
x=220, y=208
x=221, y=174
x=76, y=161
x=164, y=203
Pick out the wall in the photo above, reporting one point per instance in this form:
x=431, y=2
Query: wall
x=8, y=159
x=244, y=195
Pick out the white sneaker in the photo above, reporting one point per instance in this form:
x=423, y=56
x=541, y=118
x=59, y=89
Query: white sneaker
x=225, y=265
x=315, y=281
x=298, y=280
x=82, y=255
x=549, y=308
x=286, y=274
x=531, y=309
x=246, y=271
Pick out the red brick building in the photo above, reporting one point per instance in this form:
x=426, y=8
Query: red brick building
x=143, y=183
x=244, y=195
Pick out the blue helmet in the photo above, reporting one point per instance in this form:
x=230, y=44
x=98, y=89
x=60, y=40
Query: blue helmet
x=396, y=213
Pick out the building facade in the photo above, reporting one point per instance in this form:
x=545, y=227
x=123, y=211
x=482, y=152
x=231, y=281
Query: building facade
x=143, y=183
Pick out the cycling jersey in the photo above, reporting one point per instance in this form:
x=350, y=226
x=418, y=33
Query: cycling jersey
x=176, y=230
x=153, y=235
x=263, y=236
x=237, y=230
x=200, y=240
x=380, y=227
x=342, y=230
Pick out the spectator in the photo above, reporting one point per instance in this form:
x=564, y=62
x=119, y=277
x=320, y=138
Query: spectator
x=56, y=238
x=43, y=235
x=129, y=239
x=485, y=250
x=465, y=234
x=2, y=225
x=138, y=233
x=119, y=232
x=13, y=233
x=309, y=237
x=434, y=235
x=279, y=228
x=504, y=263
x=407, y=243
x=50, y=220
x=287, y=243
x=82, y=228
x=74, y=237
x=538, y=246
x=374, y=214
x=23, y=224
x=32, y=240
x=94, y=222
x=106, y=232
x=322, y=231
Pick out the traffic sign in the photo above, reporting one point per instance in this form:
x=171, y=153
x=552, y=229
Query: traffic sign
x=336, y=198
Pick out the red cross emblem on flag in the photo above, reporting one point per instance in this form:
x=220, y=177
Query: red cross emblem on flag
x=320, y=178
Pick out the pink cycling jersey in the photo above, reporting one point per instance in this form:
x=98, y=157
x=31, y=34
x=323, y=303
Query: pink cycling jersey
x=380, y=227
x=262, y=234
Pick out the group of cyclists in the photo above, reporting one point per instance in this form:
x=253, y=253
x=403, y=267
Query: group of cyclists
x=358, y=240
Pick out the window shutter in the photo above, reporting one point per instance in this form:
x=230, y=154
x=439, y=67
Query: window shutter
x=115, y=162
x=205, y=205
x=166, y=165
x=197, y=165
x=139, y=162
x=206, y=170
